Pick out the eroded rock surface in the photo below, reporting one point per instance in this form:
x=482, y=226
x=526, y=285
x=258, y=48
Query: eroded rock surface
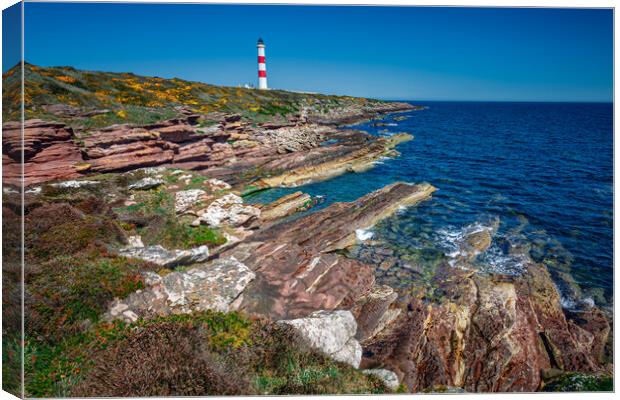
x=211, y=286
x=166, y=258
x=484, y=334
x=48, y=148
x=297, y=263
x=330, y=332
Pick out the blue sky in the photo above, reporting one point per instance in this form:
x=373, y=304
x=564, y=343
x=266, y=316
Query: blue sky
x=386, y=52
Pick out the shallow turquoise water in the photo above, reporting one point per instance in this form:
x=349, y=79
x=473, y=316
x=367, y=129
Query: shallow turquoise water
x=545, y=170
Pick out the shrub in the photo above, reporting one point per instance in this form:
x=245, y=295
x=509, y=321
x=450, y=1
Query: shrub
x=207, y=353
x=163, y=359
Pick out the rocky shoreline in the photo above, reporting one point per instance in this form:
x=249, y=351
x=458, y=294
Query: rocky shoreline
x=163, y=202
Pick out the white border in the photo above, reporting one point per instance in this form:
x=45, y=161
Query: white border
x=466, y=3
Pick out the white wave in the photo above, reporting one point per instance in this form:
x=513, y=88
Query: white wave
x=381, y=160
x=363, y=234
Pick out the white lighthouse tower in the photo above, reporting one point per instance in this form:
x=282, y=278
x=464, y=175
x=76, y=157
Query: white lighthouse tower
x=262, y=67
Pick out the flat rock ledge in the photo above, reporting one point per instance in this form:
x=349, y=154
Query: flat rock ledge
x=330, y=332
x=166, y=258
x=211, y=286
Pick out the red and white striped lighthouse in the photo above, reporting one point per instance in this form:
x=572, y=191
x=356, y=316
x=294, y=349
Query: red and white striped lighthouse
x=262, y=67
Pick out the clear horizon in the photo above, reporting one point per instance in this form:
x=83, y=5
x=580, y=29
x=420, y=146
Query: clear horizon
x=407, y=53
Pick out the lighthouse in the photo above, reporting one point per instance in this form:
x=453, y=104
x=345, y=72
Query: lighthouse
x=262, y=67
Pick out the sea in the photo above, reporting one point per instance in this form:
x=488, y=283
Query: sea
x=538, y=175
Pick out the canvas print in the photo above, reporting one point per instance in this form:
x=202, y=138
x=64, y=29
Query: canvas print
x=204, y=199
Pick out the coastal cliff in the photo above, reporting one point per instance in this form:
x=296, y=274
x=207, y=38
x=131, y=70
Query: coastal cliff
x=142, y=253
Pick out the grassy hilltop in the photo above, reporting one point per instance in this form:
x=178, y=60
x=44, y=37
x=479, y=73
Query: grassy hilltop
x=99, y=99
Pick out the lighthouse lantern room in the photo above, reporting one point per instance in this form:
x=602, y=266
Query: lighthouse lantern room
x=262, y=67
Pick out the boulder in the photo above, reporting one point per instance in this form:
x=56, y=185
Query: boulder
x=212, y=286
x=146, y=183
x=332, y=333
x=166, y=258
x=389, y=378
x=185, y=199
x=226, y=210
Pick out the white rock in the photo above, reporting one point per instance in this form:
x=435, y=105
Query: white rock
x=229, y=210
x=217, y=184
x=146, y=183
x=34, y=190
x=210, y=286
x=135, y=241
x=389, y=378
x=152, y=170
x=74, y=184
x=185, y=199
x=167, y=258
x=331, y=332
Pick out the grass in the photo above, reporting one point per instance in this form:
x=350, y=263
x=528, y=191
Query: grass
x=161, y=224
x=206, y=353
x=131, y=98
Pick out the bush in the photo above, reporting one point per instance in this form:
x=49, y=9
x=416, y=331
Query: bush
x=163, y=359
x=207, y=353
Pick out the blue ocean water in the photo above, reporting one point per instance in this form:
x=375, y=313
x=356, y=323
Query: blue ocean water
x=544, y=171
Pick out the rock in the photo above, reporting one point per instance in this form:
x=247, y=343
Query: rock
x=49, y=152
x=298, y=265
x=479, y=241
x=332, y=333
x=166, y=258
x=285, y=206
x=186, y=199
x=228, y=209
x=212, y=286
x=484, y=335
x=373, y=313
x=389, y=378
x=357, y=154
x=74, y=184
x=146, y=183
x=135, y=241
x=217, y=184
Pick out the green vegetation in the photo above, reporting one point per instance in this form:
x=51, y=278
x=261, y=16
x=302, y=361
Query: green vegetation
x=154, y=218
x=578, y=382
x=125, y=97
x=70, y=274
x=200, y=354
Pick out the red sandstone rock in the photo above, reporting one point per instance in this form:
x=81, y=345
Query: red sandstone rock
x=48, y=148
x=297, y=268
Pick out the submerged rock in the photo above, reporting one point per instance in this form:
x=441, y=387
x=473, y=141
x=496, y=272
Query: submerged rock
x=211, y=286
x=332, y=333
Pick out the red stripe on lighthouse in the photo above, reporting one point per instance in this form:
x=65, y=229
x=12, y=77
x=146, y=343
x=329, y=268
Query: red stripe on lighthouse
x=262, y=74
x=261, y=59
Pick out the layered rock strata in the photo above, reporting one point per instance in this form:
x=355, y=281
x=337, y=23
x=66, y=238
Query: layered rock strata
x=49, y=152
